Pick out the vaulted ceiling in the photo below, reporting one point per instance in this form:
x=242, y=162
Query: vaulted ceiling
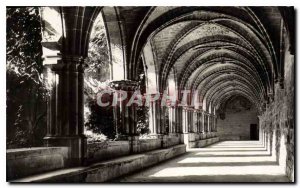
x=219, y=51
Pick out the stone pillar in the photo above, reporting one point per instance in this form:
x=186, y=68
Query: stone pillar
x=209, y=123
x=205, y=122
x=185, y=117
x=124, y=114
x=157, y=121
x=194, y=123
x=154, y=115
x=172, y=121
x=65, y=118
x=215, y=124
x=198, y=121
x=163, y=120
x=191, y=128
x=65, y=108
x=185, y=126
x=178, y=119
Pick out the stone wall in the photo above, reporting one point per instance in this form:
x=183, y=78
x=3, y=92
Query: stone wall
x=199, y=140
x=27, y=161
x=278, y=117
x=108, y=170
x=99, y=151
x=236, y=123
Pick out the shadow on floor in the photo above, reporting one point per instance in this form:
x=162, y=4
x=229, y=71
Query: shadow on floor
x=227, y=161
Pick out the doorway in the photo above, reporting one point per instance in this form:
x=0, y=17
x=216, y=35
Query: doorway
x=254, y=132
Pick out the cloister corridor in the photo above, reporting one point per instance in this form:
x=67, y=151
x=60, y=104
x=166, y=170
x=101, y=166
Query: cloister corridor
x=227, y=161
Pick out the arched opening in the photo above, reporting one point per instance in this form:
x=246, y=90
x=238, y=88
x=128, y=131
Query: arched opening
x=98, y=120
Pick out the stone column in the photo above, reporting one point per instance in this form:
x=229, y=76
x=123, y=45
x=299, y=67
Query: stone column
x=191, y=120
x=185, y=126
x=206, y=126
x=195, y=121
x=216, y=123
x=198, y=121
x=172, y=121
x=209, y=122
x=65, y=108
x=185, y=117
x=154, y=115
x=179, y=121
x=124, y=114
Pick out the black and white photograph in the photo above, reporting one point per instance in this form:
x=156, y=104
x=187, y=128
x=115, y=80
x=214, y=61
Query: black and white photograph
x=150, y=94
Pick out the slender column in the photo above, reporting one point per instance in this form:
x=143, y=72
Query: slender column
x=209, y=122
x=154, y=115
x=124, y=113
x=195, y=121
x=212, y=123
x=163, y=121
x=65, y=108
x=185, y=120
x=198, y=121
x=205, y=122
x=215, y=124
x=190, y=120
x=178, y=119
x=172, y=121
x=201, y=122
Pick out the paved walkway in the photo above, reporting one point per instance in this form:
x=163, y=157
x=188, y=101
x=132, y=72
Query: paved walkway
x=228, y=161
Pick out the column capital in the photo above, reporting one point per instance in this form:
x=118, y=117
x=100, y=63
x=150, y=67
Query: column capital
x=70, y=63
x=126, y=85
x=198, y=110
x=187, y=107
x=73, y=58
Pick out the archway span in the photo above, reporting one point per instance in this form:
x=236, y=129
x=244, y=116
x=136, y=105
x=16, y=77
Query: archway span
x=149, y=24
x=225, y=83
x=195, y=67
x=219, y=92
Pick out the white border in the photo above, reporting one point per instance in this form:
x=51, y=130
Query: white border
x=118, y=3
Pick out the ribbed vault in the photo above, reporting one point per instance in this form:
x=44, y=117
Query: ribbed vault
x=214, y=51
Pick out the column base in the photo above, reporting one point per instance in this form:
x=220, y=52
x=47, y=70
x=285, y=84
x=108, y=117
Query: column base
x=77, y=153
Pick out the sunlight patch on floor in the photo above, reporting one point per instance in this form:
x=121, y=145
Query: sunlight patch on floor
x=232, y=161
x=219, y=170
x=228, y=159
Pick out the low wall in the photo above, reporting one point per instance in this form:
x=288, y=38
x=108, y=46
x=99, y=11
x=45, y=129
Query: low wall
x=149, y=144
x=99, y=151
x=108, y=170
x=173, y=139
x=194, y=140
x=27, y=161
x=203, y=143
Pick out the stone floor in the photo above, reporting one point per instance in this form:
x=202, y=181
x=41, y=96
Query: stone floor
x=227, y=161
